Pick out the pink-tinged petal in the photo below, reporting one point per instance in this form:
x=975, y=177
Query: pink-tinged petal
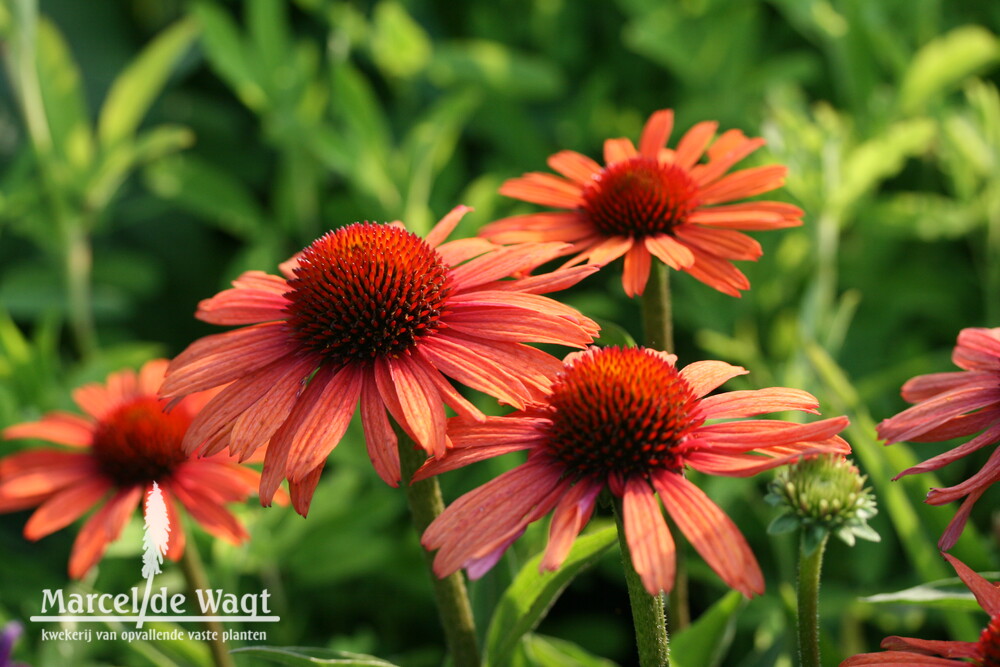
x=322, y=428
x=214, y=518
x=704, y=376
x=478, y=567
x=616, y=150
x=102, y=528
x=514, y=299
x=517, y=325
x=726, y=464
x=960, y=426
x=96, y=400
x=220, y=414
x=898, y=658
x=607, y=250
x=462, y=406
x=219, y=480
x=987, y=593
x=979, y=347
x=744, y=183
x=240, y=306
x=924, y=387
x=177, y=538
x=420, y=401
x=649, y=539
x=635, y=274
x=750, y=216
x=666, y=248
x=255, y=426
x=694, y=142
x=656, y=132
x=262, y=282
x=302, y=490
x=65, y=507
x=63, y=428
x=455, y=359
x=986, y=475
x=446, y=226
x=717, y=273
x=923, y=416
x=496, y=430
x=539, y=227
x=747, y=435
x=989, y=437
x=575, y=166
x=215, y=360
x=544, y=189
x=455, y=252
x=554, y=281
x=711, y=532
x=954, y=529
x=380, y=439
x=504, y=263
x=288, y=267
x=943, y=648
x=38, y=472
x=570, y=516
x=735, y=150
x=459, y=458
x=725, y=243
x=528, y=367
x=753, y=402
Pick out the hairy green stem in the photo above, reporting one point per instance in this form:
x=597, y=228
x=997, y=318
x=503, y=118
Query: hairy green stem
x=657, y=319
x=194, y=573
x=454, y=608
x=648, y=614
x=810, y=566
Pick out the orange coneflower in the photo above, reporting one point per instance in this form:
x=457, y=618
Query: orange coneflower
x=654, y=202
x=372, y=312
x=953, y=405
x=126, y=441
x=925, y=652
x=625, y=419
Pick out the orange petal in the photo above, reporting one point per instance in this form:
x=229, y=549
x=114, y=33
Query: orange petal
x=649, y=539
x=65, y=507
x=656, y=132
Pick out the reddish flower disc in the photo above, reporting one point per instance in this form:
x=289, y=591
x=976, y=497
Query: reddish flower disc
x=989, y=643
x=138, y=442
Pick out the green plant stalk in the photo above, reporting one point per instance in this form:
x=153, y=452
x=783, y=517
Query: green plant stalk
x=450, y=594
x=648, y=615
x=993, y=267
x=657, y=318
x=78, y=265
x=810, y=567
x=194, y=574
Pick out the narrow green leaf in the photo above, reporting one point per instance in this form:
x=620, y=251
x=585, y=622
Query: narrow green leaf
x=705, y=642
x=532, y=593
x=945, y=62
x=948, y=593
x=542, y=651
x=227, y=54
x=613, y=333
x=304, y=656
x=495, y=66
x=62, y=94
x=135, y=89
x=399, y=46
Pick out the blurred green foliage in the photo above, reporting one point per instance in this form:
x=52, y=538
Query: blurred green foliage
x=150, y=151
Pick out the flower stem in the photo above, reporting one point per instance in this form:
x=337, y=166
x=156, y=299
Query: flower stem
x=810, y=566
x=657, y=319
x=194, y=573
x=454, y=608
x=648, y=614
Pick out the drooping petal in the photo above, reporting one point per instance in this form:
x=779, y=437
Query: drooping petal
x=380, y=439
x=214, y=518
x=570, y=516
x=954, y=529
x=38, y=472
x=102, y=528
x=725, y=243
x=649, y=539
x=302, y=490
x=717, y=273
x=924, y=387
x=898, y=658
x=635, y=274
x=925, y=415
x=987, y=593
x=666, y=249
x=989, y=437
x=423, y=409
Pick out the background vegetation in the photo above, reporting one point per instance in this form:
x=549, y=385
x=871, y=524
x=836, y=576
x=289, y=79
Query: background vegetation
x=152, y=150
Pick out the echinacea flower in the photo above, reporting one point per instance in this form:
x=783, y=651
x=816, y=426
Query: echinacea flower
x=940, y=653
x=954, y=405
x=126, y=440
x=654, y=202
x=372, y=312
x=625, y=419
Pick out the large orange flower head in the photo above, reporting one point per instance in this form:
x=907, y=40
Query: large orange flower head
x=953, y=405
x=126, y=440
x=654, y=202
x=940, y=653
x=625, y=419
x=372, y=313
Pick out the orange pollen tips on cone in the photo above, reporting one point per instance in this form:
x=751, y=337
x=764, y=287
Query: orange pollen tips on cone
x=620, y=410
x=138, y=443
x=366, y=290
x=989, y=643
x=640, y=197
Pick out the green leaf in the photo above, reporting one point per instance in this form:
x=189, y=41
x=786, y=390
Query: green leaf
x=208, y=191
x=542, y=651
x=784, y=523
x=945, y=62
x=927, y=216
x=705, y=642
x=300, y=655
x=399, y=46
x=613, y=333
x=527, y=600
x=948, y=593
x=135, y=89
x=493, y=65
x=228, y=55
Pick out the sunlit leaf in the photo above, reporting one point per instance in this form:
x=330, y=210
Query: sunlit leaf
x=542, y=651
x=227, y=54
x=945, y=62
x=399, y=46
x=948, y=593
x=706, y=641
x=303, y=656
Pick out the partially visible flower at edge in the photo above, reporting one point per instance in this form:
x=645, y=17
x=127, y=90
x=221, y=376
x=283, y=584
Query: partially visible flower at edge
x=626, y=420
x=953, y=405
x=654, y=202
x=925, y=652
x=8, y=636
x=125, y=441
x=372, y=312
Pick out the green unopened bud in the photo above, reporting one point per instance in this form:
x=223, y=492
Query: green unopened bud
x=823, y=494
